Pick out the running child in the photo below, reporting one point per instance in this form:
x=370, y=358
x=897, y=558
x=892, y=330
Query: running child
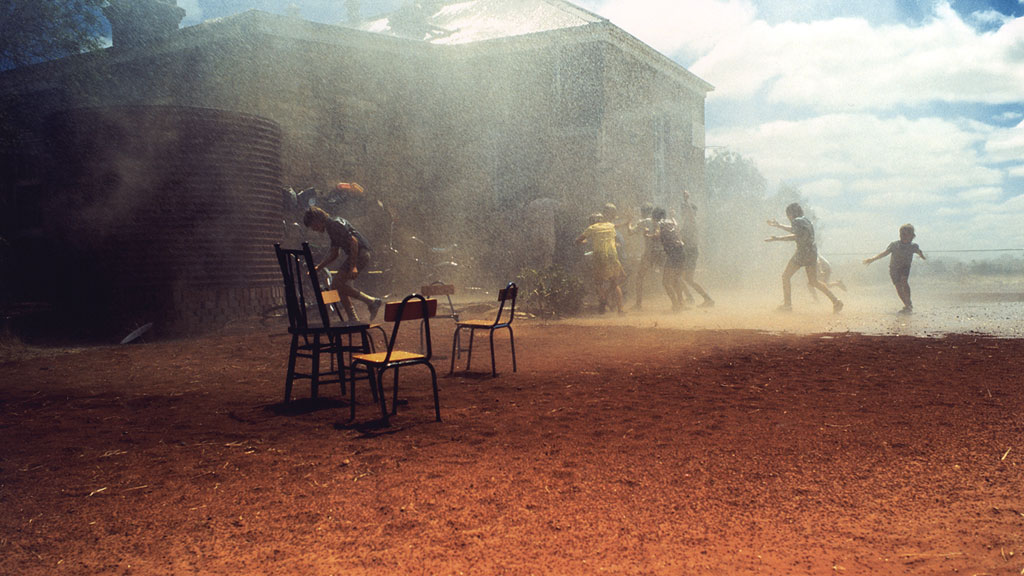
x=675, y=258
x=806, y=256
x=652, y=257
x=902, y=254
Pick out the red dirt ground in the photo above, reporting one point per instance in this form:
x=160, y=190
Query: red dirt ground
x=613, y=450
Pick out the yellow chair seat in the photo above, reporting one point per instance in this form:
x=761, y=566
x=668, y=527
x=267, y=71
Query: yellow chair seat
x=476, y=323
x=396, y=356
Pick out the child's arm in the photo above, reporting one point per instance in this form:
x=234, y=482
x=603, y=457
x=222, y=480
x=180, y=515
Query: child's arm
x=789, y=238
x=921, y=254
x=776, y=224
x=331, y=256
x=873, y=258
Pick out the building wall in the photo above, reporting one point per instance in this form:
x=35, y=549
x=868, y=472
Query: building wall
x=454, y=141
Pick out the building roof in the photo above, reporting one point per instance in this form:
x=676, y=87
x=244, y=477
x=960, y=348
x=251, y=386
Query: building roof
x=461, y=22
x=465, y=21
x=437, y=23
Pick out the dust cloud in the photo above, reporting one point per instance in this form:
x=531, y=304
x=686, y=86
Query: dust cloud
x=947, y=308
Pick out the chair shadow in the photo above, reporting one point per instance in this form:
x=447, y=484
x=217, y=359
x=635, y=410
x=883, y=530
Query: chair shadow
x=369, y=428
x=472, y=375
x=301, y=406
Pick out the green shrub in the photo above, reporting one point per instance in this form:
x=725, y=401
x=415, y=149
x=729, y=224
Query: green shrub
x=551, y=291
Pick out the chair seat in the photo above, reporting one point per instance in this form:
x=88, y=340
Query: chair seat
x=476, y=323
x=396, y=356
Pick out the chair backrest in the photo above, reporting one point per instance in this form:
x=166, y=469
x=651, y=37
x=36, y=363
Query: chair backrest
x=412, y=307
x=507, y=295
x=302, y=287
x=441, y=289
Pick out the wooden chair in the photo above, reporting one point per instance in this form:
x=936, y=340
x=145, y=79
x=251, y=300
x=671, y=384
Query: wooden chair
x=505, y=296
x=310, y=326
x=412, y=307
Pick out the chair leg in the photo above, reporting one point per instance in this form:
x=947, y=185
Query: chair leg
x=455, y=349
x=512, y=341
x=494, y=370
x=437, y=401
x=342, y=370
x=314, y=379
x=469, y=351
x=293, y=350
x=365, y=345
x=380, y=394
x=352, y=390
x=394, y=397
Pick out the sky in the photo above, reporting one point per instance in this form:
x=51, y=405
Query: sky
x=881, y=112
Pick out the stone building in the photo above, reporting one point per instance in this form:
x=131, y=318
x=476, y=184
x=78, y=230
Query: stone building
x=454, y=116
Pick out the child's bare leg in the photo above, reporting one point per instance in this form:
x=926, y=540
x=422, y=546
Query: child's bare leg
x=617, y=293
x=787, y=287
x=903, y=289
x=684, y=292
x=602, y=295
x=688, y=279
x=641, y=275
x=346, y=303
x=666, y=281
x=347, y=292
x=812, y=279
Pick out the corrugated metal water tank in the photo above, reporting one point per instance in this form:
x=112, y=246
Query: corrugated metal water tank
x=170, y=212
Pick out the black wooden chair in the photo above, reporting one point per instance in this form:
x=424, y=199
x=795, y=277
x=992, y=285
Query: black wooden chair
x=506, y=296
x=412, y=307
x=310, y=326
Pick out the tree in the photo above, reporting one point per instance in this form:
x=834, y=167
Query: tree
x=736, y=214
x=38, y=30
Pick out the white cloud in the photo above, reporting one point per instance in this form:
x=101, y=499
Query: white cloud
x=989, y=194
x=862, y=146
x=683, y=30
x=824, y=188
x=846, y=64
x=844, y=108
x=1006, y=145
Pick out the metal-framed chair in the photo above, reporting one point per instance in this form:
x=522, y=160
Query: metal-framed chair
x=438, y=288
x=312, y=333
x=412, y=307
x=506, y=296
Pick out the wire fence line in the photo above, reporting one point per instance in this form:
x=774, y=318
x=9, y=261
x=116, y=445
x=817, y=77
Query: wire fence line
x=933, y=251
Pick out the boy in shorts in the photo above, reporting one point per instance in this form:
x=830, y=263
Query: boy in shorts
x=902, y=254
x=806, y=256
